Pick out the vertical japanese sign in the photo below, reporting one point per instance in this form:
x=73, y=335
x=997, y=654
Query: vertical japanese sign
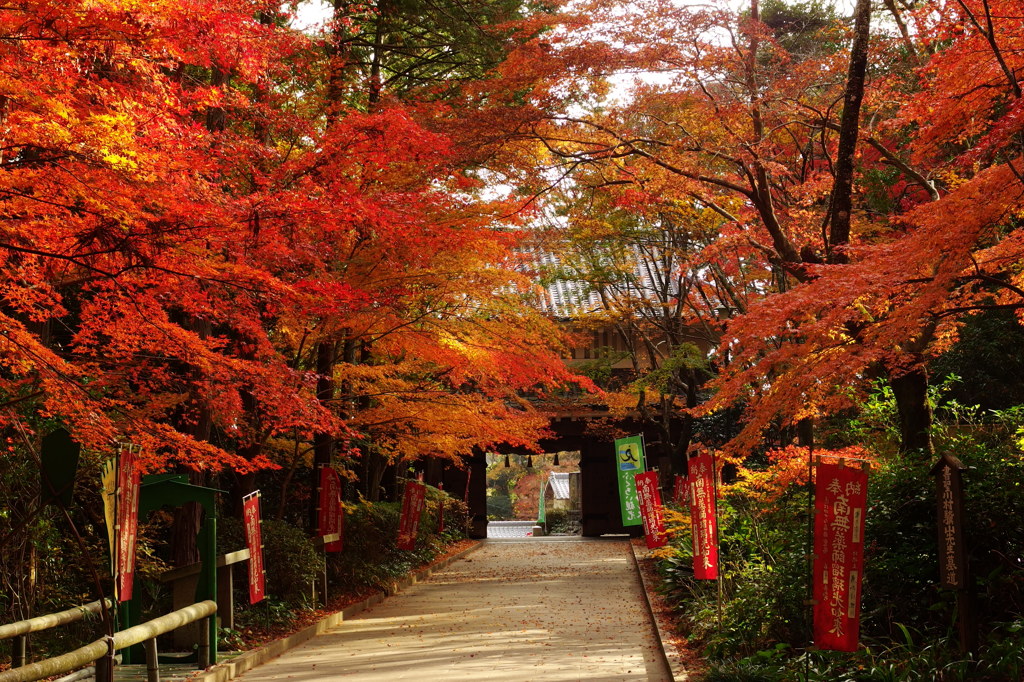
x=681, y=491
x=950, y=497
x=840, y=499
x=650, y=508
x=127, y=520
x=330, y=517
x=254, y=541
x=629, y=461
x=704, y=517
x=412, y=507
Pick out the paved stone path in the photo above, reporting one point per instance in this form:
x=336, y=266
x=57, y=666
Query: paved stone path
x=514, y=610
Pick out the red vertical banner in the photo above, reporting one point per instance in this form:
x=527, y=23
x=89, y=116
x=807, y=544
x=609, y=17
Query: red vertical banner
x=412, y=507
x=840, y=500
x=650, y=509
x=469, y=474
x=254, y=541
x=127, y=520
x=330, y=517
x=681, y=491
x=704, y=517
x=440, y=510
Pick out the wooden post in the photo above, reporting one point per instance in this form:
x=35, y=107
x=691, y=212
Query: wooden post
x=968, y=627
x=204, y=643
x=322, y=578
x=20, y=653
x=225, y=596
x=320, y=582
x=105, y=664
x=954, y=571
x=208, y=630
x=152, y=661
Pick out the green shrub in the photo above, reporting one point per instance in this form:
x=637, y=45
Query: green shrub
x=370, y=557
x=560, y=522
x=907, y=630
x=290, y=558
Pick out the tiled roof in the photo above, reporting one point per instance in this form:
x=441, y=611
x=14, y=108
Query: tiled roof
x=566, y=298
x=559, y=483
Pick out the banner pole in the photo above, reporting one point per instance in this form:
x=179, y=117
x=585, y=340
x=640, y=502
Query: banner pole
x=809, y=609
x=721, y=564
x=116, y=564
x=263, y=564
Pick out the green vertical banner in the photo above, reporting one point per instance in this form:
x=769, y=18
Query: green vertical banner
x=542, y=516
x=629, y=461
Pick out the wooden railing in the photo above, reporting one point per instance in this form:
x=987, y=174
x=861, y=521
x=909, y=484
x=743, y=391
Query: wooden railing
x=23, y=628
x=183, y=584
x=144, y=634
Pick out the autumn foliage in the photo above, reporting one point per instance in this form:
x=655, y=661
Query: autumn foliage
x=223, y=236
x=196, y=197
x=707, y=140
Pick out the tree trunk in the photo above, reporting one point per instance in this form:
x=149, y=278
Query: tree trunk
x=323, y=441
x=188, y=517
x=679, y=464
x=375, y=84
x=374, y=470
x=842, y=190
x=805, y=432
x=915, y=414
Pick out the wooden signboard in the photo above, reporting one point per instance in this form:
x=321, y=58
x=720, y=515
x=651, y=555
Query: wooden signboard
x=950, y=501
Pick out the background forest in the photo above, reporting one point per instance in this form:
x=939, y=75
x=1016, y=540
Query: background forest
x=251, y=250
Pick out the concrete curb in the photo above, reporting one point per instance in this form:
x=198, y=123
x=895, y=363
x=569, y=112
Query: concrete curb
x=672, y=659
x=229, y=670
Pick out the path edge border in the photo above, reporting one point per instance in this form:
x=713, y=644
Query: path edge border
x=672, y=660
x=229, y=670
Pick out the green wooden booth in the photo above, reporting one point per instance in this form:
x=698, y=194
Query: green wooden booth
x=174, y=490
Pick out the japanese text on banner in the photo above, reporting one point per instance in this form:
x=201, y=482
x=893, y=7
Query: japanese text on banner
x=703, y=517
x=629, y=461
x=839, y=505
x=254, y=542
x=127, y=521
x=650, y=507
x=331, y=516
x=413, y=502
x=681, y=491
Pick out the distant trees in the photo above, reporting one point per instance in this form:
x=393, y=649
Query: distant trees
x=854, y=242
